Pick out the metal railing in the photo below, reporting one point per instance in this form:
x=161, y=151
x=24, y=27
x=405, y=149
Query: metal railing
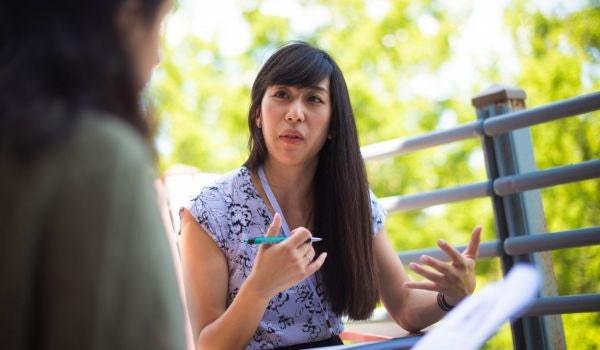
x=502, y=126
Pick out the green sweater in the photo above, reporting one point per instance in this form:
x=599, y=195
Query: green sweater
x=84, y=260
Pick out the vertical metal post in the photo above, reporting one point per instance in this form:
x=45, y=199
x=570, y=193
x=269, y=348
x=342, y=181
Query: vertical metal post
x=518, y=214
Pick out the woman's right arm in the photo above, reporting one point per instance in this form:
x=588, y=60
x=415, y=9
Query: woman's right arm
x=205, y=272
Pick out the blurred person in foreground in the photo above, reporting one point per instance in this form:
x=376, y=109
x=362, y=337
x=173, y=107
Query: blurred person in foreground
x=84, y=260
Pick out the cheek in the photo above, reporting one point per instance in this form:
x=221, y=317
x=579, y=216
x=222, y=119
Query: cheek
x=264, y=120
x=325, y=124
x=149, y=54
x=268, y=113
x=155, y=48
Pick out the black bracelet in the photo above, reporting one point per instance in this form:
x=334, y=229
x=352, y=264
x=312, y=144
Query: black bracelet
x=441, y=300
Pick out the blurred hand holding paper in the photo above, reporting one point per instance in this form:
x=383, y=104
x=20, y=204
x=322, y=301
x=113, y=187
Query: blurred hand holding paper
x=478, y=317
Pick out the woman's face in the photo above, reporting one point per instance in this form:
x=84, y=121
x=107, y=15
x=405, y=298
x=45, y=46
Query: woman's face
x=295, y=122
x=142, y=38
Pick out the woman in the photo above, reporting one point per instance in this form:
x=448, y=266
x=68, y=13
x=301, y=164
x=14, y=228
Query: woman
x=84, y=261
x=304, y=175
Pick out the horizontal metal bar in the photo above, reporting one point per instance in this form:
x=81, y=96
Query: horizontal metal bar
x=435, y=138
x=442, y=196
x=518, y=245
x=486, y=250
x=490, y=127
x=545, y=178
x=537, y=115
x=550, y=241
x=503, y=186
x=565, y=304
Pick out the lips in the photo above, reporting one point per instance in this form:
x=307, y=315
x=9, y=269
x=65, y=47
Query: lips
x=292, y=135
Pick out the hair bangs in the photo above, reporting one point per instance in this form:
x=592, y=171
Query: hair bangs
x=304, y=68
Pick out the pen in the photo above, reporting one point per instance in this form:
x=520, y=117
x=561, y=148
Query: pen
x=272, y=240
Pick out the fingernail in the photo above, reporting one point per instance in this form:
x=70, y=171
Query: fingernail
x=412, y=265
x=441, y=242
x=424, y=258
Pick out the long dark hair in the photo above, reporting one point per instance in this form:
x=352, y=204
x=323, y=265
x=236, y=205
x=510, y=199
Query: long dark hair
x=342, y=209
x=67, y=56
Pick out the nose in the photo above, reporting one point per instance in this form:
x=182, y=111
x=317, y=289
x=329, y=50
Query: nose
x=296, y=113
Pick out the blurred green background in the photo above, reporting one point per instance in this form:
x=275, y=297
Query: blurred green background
x=411, y=67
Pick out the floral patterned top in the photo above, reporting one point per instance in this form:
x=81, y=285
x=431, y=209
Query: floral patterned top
x=231, y=211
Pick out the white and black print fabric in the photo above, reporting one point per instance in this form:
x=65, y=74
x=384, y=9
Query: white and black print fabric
x=231, y=211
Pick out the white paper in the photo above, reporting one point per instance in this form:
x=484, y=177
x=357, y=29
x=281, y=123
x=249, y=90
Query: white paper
x=479, y=316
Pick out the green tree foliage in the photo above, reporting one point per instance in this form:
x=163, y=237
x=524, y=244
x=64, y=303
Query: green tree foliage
x=202, y=99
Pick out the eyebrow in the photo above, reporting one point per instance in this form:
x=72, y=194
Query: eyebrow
x=318, y=88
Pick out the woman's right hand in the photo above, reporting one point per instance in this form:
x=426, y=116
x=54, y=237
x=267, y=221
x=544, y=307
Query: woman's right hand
x=279, y=266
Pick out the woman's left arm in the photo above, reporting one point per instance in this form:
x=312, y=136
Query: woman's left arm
x=413, y=305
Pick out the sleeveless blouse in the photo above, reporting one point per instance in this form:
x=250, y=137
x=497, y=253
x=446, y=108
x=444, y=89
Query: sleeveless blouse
x=231, y=211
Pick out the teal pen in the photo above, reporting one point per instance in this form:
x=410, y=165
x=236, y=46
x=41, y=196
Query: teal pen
x=273, y=240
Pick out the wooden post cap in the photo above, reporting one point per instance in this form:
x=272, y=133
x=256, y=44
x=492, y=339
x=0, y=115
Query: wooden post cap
x=497, y=93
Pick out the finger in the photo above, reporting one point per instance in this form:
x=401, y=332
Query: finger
x=310, y=252
x=439, y=265
x=273, y=230
x=308, y=259
x=298, y=237
x=453, y=253
x=427, y=285
x=316, y=265
x=472, y=250
x=430, y=275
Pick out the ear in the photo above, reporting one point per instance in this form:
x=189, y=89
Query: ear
x=258, y=120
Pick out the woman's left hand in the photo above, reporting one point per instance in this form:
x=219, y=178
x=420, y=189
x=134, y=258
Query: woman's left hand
x=456, y=279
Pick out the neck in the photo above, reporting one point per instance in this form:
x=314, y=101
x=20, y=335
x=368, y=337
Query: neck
x=292, y=185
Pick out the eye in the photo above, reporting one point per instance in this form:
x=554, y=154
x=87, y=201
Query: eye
x=315, y=99
x=280, y=94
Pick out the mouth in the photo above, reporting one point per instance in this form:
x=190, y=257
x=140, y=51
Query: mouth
x=292, y=135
